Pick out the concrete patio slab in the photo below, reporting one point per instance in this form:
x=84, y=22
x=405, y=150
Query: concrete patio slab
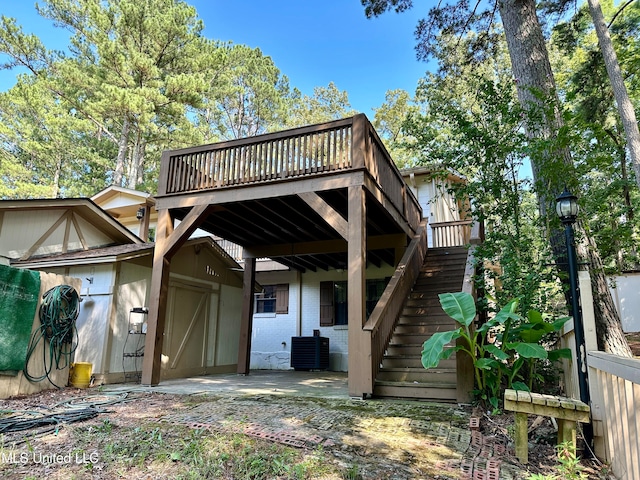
x=258, y=382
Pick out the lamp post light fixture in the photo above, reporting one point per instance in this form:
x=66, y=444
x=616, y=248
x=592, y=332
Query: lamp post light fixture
x=567, y=210
x=567, y=207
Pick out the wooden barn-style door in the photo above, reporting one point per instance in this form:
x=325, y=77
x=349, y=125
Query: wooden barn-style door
x=191, y=329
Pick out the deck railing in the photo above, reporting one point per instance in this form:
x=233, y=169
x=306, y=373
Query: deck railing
x=338, y=146
x=382, y=320
x=276, y=156
x=451, y=234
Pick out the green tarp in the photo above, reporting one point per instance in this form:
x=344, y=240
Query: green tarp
x=19, y=291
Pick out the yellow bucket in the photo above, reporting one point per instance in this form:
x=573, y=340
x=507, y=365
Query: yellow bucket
x=80, y=374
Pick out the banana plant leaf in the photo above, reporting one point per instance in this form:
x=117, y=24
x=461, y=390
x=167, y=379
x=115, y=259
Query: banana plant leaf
x=433, y=350
x=460, y=306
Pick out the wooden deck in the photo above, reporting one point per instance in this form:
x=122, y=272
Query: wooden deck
x=320, y=197
x=290, y=188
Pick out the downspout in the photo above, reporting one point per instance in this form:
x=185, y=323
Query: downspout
x=299, y=313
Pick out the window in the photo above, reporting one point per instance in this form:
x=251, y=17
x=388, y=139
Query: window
x=334, y=300
x=273, y=299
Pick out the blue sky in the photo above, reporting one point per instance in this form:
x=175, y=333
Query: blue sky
x=311, y=42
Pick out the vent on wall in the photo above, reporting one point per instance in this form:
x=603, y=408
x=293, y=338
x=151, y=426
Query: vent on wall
x=310, y=353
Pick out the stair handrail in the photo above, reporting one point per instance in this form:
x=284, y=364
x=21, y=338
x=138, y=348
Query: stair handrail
x=387, y=311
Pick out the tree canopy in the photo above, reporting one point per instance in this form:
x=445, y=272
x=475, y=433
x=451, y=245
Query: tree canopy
x=548, y=140
x=138, y=78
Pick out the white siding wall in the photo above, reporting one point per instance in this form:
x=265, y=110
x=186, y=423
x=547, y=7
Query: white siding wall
x=437, y=205
x=424, y=193
x=95, y=310
x=271, y=338
x=626, y=295
x=132, y=291
x=271, y=335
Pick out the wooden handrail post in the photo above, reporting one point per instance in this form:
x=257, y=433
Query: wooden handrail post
x=163, y=178
x=360, y=141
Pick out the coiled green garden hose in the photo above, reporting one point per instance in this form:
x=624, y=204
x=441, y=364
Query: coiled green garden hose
x=58, y=313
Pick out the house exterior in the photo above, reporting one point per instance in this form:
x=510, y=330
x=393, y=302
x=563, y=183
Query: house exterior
x=624, y=291
x=316, y=217
x=293, y=300
x=77, y=239
x=132, y=209
x=344, y=225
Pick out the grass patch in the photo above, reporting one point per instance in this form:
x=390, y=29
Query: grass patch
x=172, y=451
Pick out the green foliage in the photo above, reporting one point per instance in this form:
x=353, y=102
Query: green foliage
x=247, y=95
x=568, y=467
x=471, y=122
x=137, y=78
x=504, y=350
x=49, y=151
x=326, y=104
x=389, y=121
x=610, y=197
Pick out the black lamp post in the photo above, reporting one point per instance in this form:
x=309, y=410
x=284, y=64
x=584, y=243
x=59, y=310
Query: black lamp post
x=567, y=209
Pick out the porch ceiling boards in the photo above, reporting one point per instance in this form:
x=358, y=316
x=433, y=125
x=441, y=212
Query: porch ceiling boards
x=288, y=229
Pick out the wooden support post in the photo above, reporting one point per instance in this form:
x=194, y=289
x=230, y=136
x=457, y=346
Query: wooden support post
x=522, y=446
x=567, y=432
x=143, y=230
x=360, y=145
x=246, y=322
x=566, y=410
x=152, y=360
x=168, y=242
x=360, y=374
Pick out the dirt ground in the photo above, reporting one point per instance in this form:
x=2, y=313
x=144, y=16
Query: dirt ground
x=634, y=343
x=360, y=440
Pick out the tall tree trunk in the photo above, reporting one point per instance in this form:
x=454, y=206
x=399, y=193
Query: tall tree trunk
x=135, y=175
x=140, y=164
x=535, y=85
x=625, y=107
x=56, y=177
x=123, y=143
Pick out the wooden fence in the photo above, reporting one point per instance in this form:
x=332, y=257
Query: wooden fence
x=614, y=388
x=614, y=384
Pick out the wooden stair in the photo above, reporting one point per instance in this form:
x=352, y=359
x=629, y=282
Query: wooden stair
x=402, y=374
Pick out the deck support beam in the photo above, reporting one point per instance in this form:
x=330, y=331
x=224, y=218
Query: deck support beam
x=152, y=361
x=360, y=375
x=246, y=321
x=332, y=217
x=168, y=241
